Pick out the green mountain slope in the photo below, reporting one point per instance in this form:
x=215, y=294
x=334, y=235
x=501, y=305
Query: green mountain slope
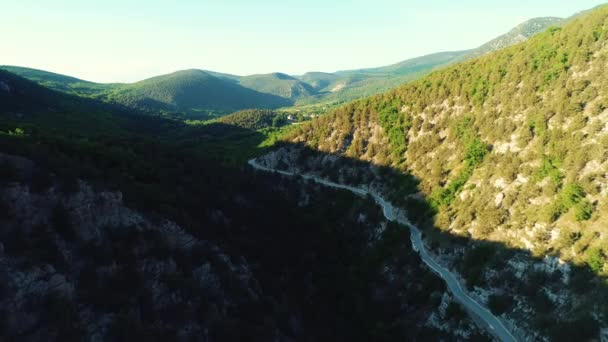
x=192, y=90
x=410, y=66
x=511, y=148
x=319, y=80
x=277, y=84
x=59, y=82
x=352, y=84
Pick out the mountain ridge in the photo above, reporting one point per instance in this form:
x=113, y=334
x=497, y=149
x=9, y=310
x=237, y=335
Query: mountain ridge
x=273, y=90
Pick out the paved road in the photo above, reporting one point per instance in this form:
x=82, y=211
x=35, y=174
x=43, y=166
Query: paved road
x=490, y=322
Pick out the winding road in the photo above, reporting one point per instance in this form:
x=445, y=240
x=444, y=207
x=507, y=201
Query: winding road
x=481, y=314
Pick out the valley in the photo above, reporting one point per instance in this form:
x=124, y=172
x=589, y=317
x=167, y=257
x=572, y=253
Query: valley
x=456, y=196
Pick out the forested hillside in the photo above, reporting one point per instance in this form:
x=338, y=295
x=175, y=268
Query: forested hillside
x=278, y=84
x=119, y=226
x=60, y=82
x=255, y=119
x=190, y=91
x=509, y=148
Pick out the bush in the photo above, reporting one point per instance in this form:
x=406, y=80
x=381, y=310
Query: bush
x=583, y=211
x=596, y=259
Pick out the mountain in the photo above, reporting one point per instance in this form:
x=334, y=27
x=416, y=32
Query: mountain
x=507, y=155
x=517, y=35
x=413, y=65
x=59, y=82
x=124, y=226
x=347, y=85
x=277, y=84
x=319, y=80
x=202, y=94
x=190, y=91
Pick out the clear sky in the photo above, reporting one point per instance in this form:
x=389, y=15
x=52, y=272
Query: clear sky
x=125, y=40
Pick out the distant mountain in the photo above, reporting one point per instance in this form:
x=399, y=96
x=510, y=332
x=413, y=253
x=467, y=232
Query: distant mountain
x=192, y=90
x=343, y=86
x=278, y=84
x=519, y=34
x=319, y=80
x=59, y=82
x=203, y=94
x=27, y=104
x=412, y=65
x=347, y=85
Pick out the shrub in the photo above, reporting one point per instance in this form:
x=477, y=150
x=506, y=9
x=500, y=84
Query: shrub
x=583, y=211
x=596, y=258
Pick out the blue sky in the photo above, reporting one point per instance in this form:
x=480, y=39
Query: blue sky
x=124, y=41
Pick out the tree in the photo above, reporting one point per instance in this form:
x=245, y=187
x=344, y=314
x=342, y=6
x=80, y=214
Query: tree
x=596, y=259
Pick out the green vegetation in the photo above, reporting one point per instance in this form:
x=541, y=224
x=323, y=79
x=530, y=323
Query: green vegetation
x=255, y=119
x=396, y=126
x=205, y=95
x=572, y=196
x=191, y=90
x=527, y=119
x=510, y=147
x=475, y=151
x=277, y=84
x=194, y=175
x=596, y=259
x=60, y=82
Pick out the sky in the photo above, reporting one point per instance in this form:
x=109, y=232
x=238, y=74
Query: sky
x=126, y=41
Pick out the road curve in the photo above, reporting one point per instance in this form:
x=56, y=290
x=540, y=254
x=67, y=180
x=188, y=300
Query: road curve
x=490, y=322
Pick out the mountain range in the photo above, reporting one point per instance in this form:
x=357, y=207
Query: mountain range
x=201, y=94
x=120, y=223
